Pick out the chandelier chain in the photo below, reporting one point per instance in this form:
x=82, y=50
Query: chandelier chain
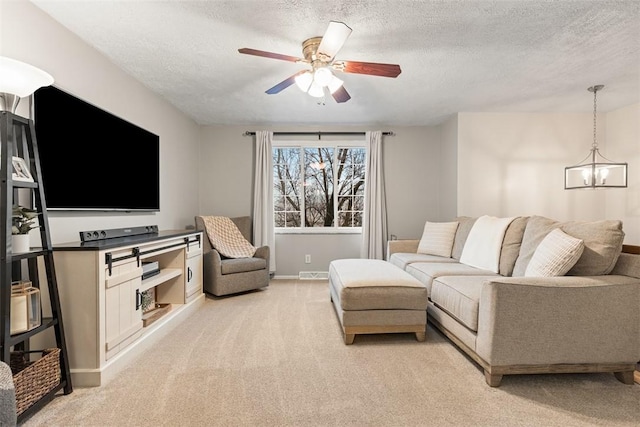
x=595, y=141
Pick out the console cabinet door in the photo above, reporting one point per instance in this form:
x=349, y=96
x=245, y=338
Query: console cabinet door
x=193, y=282
x=123, y=314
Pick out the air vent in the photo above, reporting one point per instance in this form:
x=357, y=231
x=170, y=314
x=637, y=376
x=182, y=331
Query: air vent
x=313, y=275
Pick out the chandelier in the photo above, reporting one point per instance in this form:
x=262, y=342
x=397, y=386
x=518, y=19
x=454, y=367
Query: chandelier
x=599, y=172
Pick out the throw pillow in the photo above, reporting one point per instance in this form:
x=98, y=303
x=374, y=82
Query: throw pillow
x=484, y=243
x=437, y=238
x=555, y=255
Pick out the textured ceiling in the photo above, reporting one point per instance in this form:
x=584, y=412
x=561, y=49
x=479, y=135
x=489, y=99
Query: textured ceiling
x=456, y=56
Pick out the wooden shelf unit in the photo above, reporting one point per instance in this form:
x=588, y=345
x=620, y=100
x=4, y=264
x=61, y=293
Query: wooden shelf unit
x=18, y=138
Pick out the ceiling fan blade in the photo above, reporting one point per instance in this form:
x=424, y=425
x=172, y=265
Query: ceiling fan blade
x=272, y=55
x=341, y=95
x=337, y=33
x=371, y=68
x=284, y=84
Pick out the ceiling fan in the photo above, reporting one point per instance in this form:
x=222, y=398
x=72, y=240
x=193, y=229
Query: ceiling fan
x=319, y=53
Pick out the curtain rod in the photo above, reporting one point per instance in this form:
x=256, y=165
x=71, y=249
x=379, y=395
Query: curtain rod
x=389, y=133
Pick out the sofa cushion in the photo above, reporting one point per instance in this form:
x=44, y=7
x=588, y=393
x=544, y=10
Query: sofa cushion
x=437, y=238
x=602, y=244
x=511, y=245
x=484, y=243
x=242, y=265
x=427, y=272
x=555, y=255
x=402, y=259
x=459, y=296
x=465, y=223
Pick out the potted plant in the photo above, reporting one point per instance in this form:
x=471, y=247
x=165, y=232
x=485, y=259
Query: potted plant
x=23, y=220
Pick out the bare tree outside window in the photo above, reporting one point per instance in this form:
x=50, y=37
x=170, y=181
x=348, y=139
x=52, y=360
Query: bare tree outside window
x=318, y=186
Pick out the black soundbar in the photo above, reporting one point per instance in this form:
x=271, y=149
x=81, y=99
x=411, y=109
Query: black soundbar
x=87, y=236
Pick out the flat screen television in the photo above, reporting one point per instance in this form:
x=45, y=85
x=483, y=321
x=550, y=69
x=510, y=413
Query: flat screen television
x=92, y=160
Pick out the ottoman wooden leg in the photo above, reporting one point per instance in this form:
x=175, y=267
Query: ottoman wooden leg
x=421, y=336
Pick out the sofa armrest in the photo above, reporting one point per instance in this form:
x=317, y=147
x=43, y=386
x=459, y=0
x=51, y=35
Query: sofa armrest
x=556, y=320
x=404, y=246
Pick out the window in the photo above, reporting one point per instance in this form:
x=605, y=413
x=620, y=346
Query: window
x=318, y=187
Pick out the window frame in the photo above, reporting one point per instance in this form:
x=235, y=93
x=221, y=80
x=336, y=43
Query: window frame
x=335, y=144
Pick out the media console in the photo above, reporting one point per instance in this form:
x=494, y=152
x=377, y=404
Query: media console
x=102, y=294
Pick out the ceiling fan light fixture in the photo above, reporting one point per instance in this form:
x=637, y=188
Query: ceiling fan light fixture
x=316, y=90
x=322, y=76
x=304, y=80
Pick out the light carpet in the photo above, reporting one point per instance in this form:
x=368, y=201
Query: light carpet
x=276, y=357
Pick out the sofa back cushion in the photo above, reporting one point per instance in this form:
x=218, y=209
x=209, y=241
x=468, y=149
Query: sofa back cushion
x=511, y=245
x=602, y=244
x=465, y=223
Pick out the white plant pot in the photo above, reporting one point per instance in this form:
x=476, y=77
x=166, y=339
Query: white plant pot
x=20, y=243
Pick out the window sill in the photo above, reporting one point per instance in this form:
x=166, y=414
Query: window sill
x=318, y=230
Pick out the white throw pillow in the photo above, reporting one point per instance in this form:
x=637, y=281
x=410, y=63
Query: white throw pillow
x=555, y=255
x=484, y=243
x=437, y=238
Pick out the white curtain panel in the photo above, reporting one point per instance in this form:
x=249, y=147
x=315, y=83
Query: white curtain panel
x=263, y=232
x=374, y=223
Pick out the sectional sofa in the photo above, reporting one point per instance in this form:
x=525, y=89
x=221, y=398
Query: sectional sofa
x=530, y=295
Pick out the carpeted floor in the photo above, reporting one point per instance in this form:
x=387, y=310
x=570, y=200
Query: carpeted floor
x=276, y=357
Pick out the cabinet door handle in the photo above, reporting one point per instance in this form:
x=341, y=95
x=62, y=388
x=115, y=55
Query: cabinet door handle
x=138, y=299
x=189, y=274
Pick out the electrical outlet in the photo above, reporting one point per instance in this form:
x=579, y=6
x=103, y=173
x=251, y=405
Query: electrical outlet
x=307, y=259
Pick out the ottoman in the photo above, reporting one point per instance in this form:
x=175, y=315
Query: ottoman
x=376, y=297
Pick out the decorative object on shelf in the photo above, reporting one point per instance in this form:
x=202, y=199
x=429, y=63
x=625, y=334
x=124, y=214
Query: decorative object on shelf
x=22, y=221
x=20, y=170
x=148, y=298
x=25, y=307
x=18, y=80
x=158, y=310
x=600, y=172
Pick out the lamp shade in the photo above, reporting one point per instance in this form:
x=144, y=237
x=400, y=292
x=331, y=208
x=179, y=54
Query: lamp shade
x=19, y=79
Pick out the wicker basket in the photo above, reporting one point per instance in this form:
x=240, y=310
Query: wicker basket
x=33, y=380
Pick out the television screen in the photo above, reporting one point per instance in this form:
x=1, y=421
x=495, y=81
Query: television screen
x=92, y=160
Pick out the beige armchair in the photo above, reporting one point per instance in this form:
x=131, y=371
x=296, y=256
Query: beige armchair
x=224, y=276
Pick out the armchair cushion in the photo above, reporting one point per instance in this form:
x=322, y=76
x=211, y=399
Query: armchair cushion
x=241, y=265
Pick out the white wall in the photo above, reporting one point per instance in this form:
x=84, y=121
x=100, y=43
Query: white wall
x=30, y=35
x=513, y=164
x=623, y=145
x=448, y=184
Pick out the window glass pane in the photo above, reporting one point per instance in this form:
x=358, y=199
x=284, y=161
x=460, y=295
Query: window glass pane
x=318, y=186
